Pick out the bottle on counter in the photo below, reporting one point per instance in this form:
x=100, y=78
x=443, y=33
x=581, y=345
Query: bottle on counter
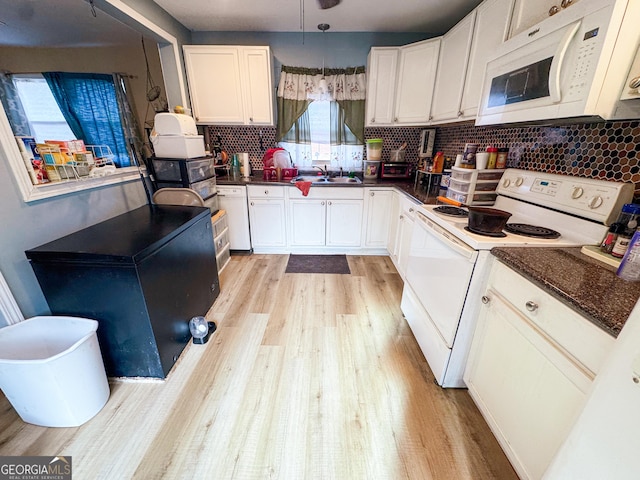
x=493, y=157
x=501, y=158
x=629, y=268
x=622, y=243
x=438, y=163
x=628, y=220
x=469, y=156
x=610, y=238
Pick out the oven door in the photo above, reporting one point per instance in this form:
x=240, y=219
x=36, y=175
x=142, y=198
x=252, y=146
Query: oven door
x=439, y=272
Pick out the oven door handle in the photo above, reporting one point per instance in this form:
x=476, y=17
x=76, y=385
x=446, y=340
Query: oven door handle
x=445, y=237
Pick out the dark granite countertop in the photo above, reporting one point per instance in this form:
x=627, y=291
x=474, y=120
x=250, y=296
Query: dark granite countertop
x=406, y=186
x=588, y=286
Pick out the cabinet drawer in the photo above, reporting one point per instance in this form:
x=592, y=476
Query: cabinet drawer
x=219, y=223
x=576, y=335
x=408, y=207
x=265, y=191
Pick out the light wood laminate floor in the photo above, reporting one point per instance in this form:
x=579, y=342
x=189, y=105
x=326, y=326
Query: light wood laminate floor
x=308, y=376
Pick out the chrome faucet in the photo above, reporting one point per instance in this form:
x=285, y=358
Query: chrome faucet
x=324, y=171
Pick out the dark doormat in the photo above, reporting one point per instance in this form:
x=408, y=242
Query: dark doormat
x=318, y=264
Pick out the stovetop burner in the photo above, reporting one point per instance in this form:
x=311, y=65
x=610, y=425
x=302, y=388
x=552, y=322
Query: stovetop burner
x=451, y=211
x=531, y=230
x=486, y=234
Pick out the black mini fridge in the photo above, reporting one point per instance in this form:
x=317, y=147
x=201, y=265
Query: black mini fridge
x=143, y=275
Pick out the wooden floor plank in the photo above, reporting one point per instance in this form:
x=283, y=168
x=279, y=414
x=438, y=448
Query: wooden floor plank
x=308, y=376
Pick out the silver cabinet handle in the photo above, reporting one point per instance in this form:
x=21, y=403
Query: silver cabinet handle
x=251, y=119
x=531, y=306
x=252, y=204
x=485, y=299
x=321, y=203
x=328, y=203
x=411, y=210
x=372, y=194
x=266, y=192
x=635, y=82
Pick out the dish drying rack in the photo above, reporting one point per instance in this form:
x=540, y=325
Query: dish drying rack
x=73, y=166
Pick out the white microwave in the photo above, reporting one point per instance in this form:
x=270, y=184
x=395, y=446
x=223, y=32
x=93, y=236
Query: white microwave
x=573, y=65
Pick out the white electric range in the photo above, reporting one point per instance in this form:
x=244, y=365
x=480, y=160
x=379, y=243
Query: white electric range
x=449, y=265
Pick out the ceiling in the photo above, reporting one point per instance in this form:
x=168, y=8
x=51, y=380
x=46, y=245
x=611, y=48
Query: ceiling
x=426, y=16
x=59, y=23
x=66, y=23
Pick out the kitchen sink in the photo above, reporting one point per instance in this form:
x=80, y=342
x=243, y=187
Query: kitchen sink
x=318, y=180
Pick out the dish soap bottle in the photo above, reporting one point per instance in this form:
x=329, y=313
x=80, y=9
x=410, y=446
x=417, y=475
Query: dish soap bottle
x=629, y=268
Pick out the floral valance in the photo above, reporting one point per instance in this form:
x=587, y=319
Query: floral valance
x=343, y=84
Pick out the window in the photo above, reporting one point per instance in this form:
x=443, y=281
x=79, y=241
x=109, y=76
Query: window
x=70, y=106
x=320, y=126
x=43, y=113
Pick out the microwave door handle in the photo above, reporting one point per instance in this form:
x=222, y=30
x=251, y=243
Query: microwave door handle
x=558, y=60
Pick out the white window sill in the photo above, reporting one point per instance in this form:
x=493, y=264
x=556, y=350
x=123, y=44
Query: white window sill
x=54, y=189
x=33, y=193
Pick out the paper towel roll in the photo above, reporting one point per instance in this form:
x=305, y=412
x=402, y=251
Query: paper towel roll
x=246, y=166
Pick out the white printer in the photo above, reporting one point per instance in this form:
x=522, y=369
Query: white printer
x=175, y=135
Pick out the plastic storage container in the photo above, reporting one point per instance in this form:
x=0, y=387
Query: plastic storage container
x=474, y=175
x=472, y=198
x=178, y=146
x=374, y=149
x=371, y=169
x=51, y=370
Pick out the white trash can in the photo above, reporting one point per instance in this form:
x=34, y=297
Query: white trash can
x=51, y=370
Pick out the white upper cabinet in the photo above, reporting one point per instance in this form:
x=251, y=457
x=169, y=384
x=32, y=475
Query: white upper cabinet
x=493, y=18
x=400, y=87
x=230, y=84
x=381, y=75
x=452, y=67
x=464, y=53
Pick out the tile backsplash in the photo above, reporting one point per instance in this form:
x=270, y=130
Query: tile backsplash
x=607, y=150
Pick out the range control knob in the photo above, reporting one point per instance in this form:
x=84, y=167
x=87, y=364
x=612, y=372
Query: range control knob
x=577, y=192
x=519, y=181
x=506, y=182
x=595, y=202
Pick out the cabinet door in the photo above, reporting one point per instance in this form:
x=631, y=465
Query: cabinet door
x=394, y=227
x=257, y=85
x=491, y=27
x=416, y=77
x=381, y=74
x=344, y=223
x=307, y=222
x=529, y=392
x=267, y=218
x=378, y=217
x=452, y=65
x=214, y=80
x=404, y=243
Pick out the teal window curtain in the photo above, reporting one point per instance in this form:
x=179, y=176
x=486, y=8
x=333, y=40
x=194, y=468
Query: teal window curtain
x=88, y=103
x=13, y=106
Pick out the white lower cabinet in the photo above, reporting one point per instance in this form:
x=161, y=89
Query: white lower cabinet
x=401, y=228
x=267, y=216
x=531, y=364
x=328, y=216
x=344, y=223
x=379, y=203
